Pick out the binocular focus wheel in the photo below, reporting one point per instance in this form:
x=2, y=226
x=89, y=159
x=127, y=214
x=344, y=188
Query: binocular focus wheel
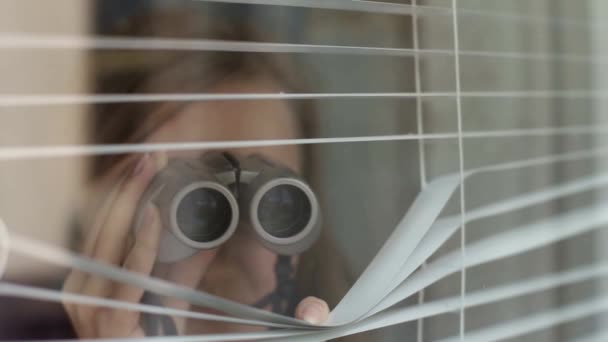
x=183, y=194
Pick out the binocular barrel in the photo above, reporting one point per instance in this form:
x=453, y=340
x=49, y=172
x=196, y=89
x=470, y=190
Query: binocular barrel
x=200, y=203
x=282, y=210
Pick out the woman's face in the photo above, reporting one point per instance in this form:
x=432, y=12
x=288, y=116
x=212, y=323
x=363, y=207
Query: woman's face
x=241, y=269
x=236, y=120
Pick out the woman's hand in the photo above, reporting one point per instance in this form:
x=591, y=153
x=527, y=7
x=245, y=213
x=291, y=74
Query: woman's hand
x=109, y=242
x=313, y=310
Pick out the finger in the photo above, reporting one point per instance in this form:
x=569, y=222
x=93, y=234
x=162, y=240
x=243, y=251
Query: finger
x=72, y=284
x=141, y=259
x=188, y=273
x=101, y=210
x=75, y=279
x=142, y=256
x=110, y=244
x=105, y=330
x=313, y=310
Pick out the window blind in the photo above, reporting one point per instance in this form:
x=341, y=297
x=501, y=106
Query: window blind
x=500, y=118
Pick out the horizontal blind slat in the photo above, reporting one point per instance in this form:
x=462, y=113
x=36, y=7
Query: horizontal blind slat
x=540, y=321
x=454, y=303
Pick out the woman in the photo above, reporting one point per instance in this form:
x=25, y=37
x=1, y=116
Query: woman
x=242, y=269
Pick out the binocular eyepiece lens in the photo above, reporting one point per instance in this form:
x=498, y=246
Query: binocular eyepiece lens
x=200, y=203
x=204, y=215
x=284, y=211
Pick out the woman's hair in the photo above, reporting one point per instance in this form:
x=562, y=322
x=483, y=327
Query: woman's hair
x=321, y=271
x=175, y=72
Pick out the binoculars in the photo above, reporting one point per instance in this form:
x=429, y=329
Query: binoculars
x=200, y=203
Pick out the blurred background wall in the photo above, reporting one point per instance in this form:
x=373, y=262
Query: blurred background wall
x=33, y=71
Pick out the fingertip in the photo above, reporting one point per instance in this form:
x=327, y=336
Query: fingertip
x=140, y=165
x=143, y=171
x=313, y=310
x=160, y=159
